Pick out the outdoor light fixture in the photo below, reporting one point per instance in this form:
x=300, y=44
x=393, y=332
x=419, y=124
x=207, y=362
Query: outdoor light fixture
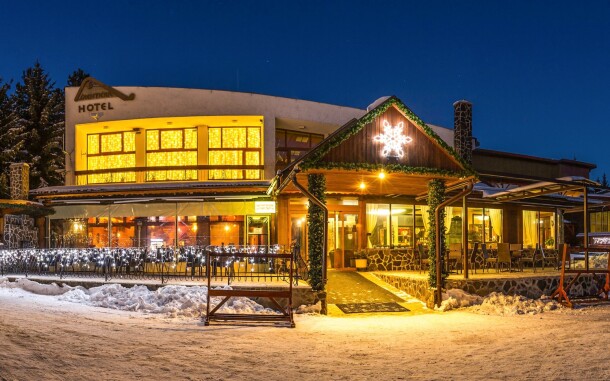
x=393, y=140
x=362, y=185
x=382, y=175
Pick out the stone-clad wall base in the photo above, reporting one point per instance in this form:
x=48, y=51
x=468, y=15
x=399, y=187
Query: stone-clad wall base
x=416, y=287
x=532, y=287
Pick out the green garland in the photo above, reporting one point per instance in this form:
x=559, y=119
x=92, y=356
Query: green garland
x=399, y=168
x=436, y=195
x=316, y=184
x=358, y=125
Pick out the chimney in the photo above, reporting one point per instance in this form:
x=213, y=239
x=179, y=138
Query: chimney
x=19, y=181
x=462, y=129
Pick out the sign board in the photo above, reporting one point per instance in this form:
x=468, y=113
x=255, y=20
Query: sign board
x=264, y=207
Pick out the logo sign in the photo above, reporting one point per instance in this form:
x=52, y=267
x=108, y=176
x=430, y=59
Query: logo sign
x=92, y=90
x=264, y=206
x=392, y=140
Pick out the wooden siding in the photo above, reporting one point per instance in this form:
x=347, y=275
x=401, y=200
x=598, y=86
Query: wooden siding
x=422, y=151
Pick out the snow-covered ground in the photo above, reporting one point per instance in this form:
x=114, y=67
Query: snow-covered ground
x=115, y=333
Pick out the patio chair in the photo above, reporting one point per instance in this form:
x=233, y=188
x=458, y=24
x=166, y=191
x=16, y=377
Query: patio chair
x=455, y=256
x=486, y=257
x=550, y=257
x=516, y=253
x=424, y=261
x=532, y=257
x=503, y=257
x=475, y=257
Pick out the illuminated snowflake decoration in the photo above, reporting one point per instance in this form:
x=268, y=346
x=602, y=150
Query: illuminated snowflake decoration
x=393, y=140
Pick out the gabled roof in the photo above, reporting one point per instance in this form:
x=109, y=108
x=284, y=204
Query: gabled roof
x=313, y=157
x=333, y=157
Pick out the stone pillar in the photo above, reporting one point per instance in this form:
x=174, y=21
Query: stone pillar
x=20, y=181
x=462, y=128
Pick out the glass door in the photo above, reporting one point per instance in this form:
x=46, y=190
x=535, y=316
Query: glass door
x=342, y=239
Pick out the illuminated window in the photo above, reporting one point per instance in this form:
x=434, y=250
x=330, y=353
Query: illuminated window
x=167, y=149
x=106, y=153
x=234, y=146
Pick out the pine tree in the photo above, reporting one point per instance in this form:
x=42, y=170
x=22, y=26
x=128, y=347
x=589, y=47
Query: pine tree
x=77, y=77
x=40, y=111
x=12, y=138
x=604, y=180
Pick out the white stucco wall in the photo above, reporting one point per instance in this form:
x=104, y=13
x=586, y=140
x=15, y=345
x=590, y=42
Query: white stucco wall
x=153, y=102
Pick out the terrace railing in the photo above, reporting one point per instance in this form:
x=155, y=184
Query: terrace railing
x=253, y=264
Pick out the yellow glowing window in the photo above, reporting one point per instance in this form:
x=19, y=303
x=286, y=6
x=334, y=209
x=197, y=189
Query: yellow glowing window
x=93, y=144
x=108, y=152
x=171, y=139
x=190, y=138
x=166, y=149
x=152, y=140
x=129, y=141
x=112, y=142
x=214, y=138
x=254, y=137
x=234, y=146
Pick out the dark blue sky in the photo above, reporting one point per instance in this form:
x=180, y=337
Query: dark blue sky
x=537, y=72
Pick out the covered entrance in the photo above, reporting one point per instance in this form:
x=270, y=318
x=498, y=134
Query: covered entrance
x=370, y=179
x=342, y=239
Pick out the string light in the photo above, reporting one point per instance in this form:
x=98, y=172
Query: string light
x=393, y=140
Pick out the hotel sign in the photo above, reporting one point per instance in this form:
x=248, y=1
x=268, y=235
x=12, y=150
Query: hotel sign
x=264, y=207
x=98, y=96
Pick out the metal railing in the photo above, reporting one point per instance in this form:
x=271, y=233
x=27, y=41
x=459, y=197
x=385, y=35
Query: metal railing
x=228, y=264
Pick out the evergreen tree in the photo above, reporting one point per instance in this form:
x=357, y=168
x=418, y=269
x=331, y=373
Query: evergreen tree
x=604, y=180
x=77, y=77
x=40, y=112
x=11, y=140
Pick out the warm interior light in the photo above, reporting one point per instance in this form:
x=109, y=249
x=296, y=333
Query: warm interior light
x=227, y=228
x=194, y=227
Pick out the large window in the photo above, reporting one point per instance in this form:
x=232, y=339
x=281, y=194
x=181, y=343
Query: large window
x=539, y=228
x=600, y=221
x=111, y=151
x=395, y=225
x=290, y=145
x=171, y=148
x=234, y=146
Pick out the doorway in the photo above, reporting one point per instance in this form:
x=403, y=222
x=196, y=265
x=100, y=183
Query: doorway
x=342, y=239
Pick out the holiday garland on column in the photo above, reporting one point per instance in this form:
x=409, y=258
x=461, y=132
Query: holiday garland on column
x=317, y=187
x=436, y=194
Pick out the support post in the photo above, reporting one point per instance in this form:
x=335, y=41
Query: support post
x=465, y=237
x=586, y=226
x=437, y=211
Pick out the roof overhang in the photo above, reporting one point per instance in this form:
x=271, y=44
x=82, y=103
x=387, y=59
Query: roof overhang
x=152, y=191
x=367, y=183
x=564, y=186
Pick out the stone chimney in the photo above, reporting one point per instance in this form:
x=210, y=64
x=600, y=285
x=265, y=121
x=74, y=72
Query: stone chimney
x=462, y=129
x=20, y=181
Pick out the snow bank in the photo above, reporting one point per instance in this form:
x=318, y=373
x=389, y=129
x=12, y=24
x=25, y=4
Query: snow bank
x=36, y=288
x=496, y=303
x=172, y=300
x=311, y=309
x=457, y=298
x=500, y=304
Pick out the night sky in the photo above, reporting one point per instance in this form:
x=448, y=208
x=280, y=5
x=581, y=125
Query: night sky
x=537, y=72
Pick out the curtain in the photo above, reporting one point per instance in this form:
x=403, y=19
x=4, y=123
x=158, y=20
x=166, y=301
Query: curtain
x=425, y=220
x=495, y=218
x=530, y=231
x=371, y=222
